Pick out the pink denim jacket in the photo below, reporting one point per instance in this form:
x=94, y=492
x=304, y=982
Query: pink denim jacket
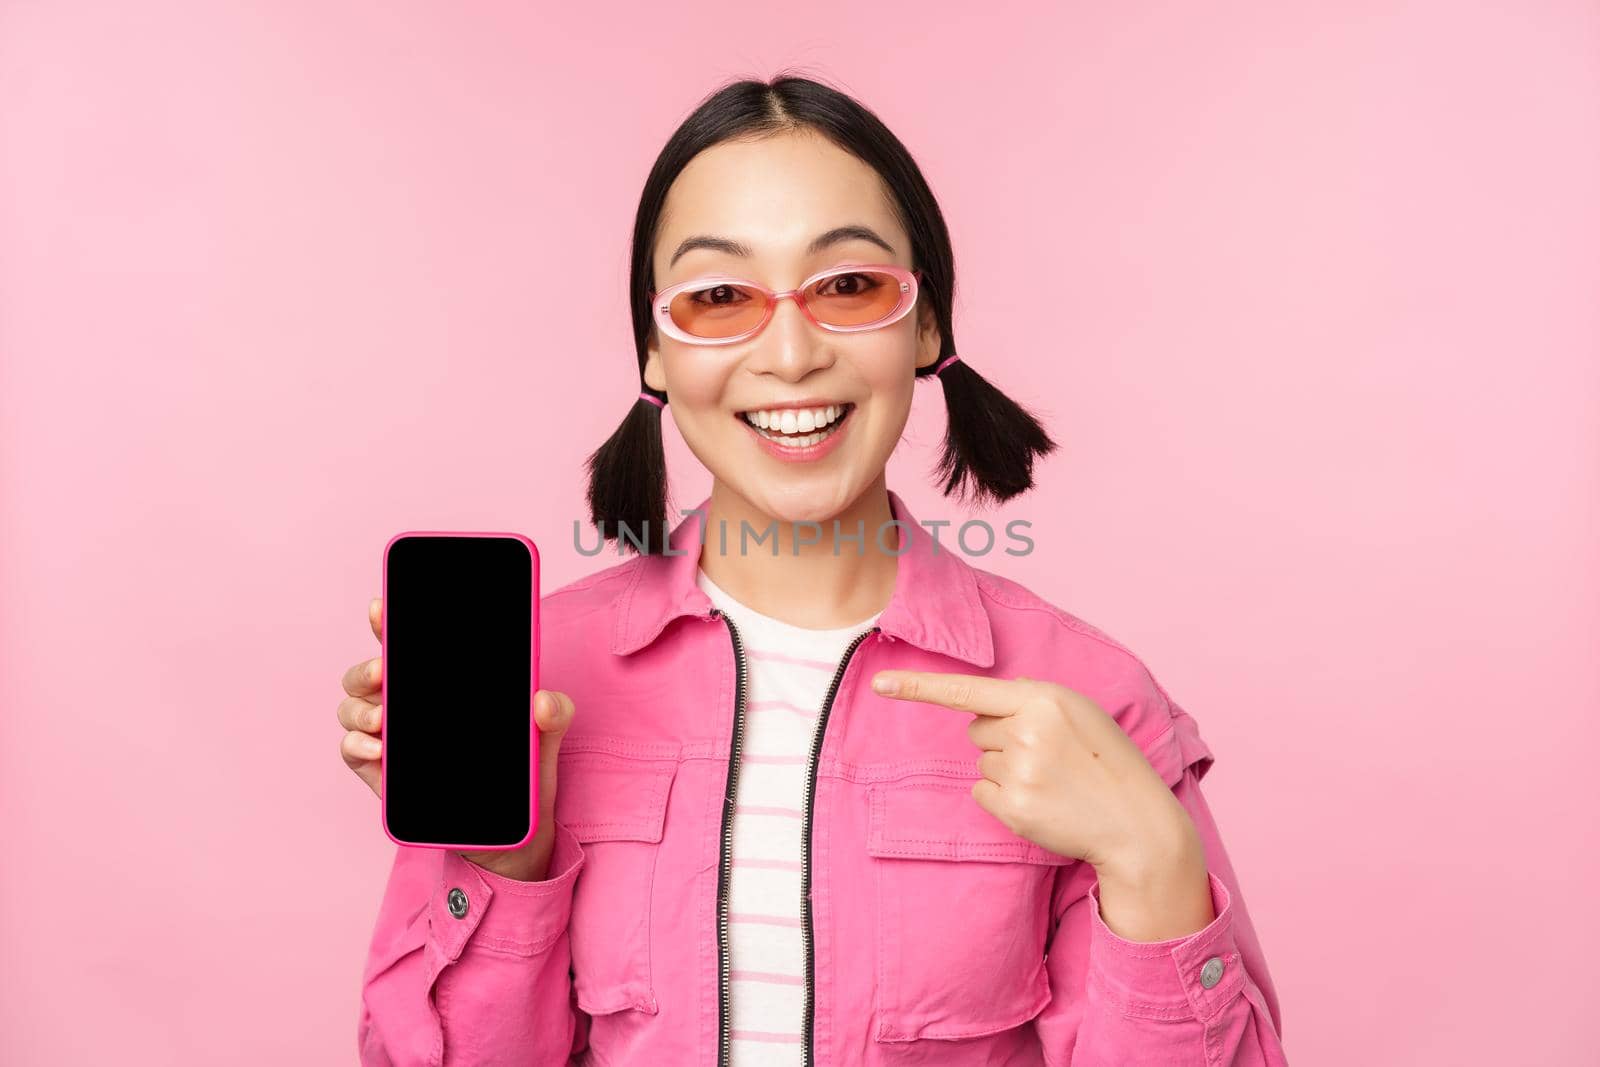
x=934, y=935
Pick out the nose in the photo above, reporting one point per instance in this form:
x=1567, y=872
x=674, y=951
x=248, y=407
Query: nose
x=791, y=346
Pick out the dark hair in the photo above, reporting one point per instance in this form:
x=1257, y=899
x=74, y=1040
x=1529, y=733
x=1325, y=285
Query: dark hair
x=990, y=441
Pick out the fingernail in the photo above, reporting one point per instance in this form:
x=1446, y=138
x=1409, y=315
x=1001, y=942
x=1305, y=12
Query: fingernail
x=886, y=686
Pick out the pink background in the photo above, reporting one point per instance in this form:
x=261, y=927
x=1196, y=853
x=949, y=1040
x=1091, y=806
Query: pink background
x=1308, y=292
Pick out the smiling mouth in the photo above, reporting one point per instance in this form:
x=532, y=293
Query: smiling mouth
x=798, y=428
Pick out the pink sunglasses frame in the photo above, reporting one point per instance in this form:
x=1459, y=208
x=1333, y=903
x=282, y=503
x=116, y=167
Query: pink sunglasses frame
x=661, y=302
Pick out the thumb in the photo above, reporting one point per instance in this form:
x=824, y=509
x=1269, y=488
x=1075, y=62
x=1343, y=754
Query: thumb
x=552, y=715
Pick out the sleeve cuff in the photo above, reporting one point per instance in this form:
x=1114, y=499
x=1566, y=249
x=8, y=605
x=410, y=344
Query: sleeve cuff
x=1167, y=979
x=513, y=916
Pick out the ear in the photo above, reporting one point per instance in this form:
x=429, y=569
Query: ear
x=654, y=376
x=929, y=340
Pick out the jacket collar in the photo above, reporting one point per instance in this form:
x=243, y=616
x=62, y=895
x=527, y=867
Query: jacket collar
x=935, y=605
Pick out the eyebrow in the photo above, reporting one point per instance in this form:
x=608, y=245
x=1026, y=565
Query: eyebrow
x=837, y=235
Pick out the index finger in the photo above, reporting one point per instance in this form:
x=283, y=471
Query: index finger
x=375, y=616
x=963, y=692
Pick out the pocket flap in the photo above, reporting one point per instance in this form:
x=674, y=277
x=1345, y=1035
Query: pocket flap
x=609, y=796
x=940, y=820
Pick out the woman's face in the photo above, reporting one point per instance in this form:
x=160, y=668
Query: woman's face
x=774, y=197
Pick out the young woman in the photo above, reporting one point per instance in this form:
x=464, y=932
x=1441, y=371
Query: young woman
x=816, y=790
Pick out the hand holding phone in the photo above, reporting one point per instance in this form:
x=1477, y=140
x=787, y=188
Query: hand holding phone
x=442, y=725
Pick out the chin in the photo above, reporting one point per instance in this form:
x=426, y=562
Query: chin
x=818, y=504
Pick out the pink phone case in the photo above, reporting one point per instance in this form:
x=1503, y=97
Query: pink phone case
x=533, y=661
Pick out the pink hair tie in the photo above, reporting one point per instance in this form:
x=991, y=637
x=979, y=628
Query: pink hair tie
x=657, y=401
x=946, y=362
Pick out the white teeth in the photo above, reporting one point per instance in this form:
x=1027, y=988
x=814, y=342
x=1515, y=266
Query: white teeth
x=793, y=421
x=802, y=442
x=796, y=425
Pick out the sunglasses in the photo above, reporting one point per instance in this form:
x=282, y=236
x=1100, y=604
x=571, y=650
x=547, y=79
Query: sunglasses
x=721, y=309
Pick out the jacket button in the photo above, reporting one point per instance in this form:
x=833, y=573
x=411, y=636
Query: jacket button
x=1211, y=972
x=458, y=906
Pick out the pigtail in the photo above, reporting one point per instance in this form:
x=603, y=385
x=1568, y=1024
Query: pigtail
x=628, y=479
x=990, y=440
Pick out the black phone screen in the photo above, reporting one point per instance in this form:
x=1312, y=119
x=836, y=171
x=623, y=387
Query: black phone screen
x=460, y=666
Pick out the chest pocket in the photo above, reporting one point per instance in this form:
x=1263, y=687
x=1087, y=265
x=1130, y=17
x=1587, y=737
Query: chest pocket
x=615, y=804
x=963, y=909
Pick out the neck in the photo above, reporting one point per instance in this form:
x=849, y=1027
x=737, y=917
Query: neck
x=807, y=582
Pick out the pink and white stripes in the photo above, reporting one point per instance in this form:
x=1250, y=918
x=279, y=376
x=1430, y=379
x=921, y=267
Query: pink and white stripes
x=790, y=669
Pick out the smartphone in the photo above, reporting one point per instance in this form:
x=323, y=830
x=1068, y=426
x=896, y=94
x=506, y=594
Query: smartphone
x=460, y=666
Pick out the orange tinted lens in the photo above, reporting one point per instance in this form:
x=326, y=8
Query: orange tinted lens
x=857, y=298
x=720, y=310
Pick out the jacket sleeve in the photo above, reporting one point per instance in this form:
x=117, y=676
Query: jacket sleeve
x=1116, y=1001
x=490, y=987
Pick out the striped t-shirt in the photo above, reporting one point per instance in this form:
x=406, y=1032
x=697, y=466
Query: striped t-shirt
x=789, y=670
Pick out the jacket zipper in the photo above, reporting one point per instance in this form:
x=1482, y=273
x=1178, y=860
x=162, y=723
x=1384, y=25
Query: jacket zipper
x=806, y=1039
x=725, y=867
